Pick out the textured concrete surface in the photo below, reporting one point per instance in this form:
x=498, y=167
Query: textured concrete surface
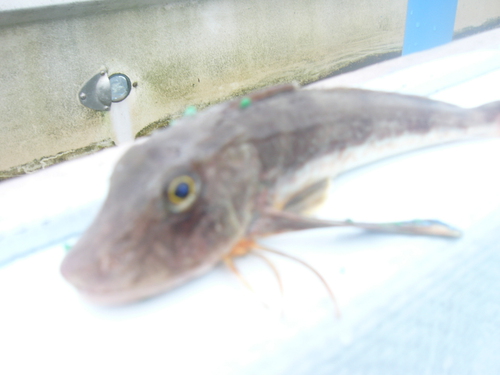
x=182, y=53
x=471, y=13
x=179, y=53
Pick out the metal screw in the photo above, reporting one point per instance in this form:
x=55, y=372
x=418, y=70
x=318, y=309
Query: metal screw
x=83, y=96
x=103, y=72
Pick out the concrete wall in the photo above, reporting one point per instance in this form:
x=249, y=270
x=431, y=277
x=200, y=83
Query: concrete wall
x=474, y=13
x=178, y=53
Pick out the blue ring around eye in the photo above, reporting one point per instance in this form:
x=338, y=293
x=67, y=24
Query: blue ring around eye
x=182, y=190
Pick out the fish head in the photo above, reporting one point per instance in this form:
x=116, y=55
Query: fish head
x=176, y=205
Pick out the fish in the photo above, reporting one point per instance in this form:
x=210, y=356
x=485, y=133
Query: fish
x=198, y=192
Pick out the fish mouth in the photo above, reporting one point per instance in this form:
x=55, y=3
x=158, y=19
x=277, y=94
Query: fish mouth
x=123, y=295
x=112, y=290
x=119, y=297
x=133, y=293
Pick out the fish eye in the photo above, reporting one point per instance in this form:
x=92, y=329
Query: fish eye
x=181, y=193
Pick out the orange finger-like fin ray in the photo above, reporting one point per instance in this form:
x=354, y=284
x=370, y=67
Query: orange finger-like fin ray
x=228, y=260
x=246, y=246
x=273, y=268
x=323, y=281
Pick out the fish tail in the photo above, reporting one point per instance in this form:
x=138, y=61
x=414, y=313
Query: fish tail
x=490, y=110
x=490, y=116
x=493, y=107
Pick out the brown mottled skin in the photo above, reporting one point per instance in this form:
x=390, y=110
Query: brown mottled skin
x=247, y=161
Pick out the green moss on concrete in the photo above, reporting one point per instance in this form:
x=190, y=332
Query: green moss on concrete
x=290, y=77
x=468, y=31
x=365, y=61
x=160, y=124
x=174, y=80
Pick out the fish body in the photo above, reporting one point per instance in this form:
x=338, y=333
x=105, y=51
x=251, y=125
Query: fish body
x=181, y=201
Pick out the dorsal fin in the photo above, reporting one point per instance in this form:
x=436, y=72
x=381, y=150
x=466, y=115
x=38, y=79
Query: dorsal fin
x=247, y=100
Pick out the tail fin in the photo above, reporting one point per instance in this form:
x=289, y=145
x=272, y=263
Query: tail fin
x=489, y=115
x=491, y=110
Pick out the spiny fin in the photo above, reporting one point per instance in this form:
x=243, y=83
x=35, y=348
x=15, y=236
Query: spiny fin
x=309, y=198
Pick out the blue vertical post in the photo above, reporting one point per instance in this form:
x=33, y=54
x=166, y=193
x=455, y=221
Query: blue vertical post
x=429, y=23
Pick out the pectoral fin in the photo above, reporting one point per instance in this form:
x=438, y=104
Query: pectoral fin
x=273, y=222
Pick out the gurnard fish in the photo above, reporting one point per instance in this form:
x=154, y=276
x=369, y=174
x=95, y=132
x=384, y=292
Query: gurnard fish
x=203, y=190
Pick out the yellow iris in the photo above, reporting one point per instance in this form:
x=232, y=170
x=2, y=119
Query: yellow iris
x=181, y=192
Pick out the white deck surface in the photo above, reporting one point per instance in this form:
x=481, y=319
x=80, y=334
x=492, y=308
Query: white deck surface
x=411, y=305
